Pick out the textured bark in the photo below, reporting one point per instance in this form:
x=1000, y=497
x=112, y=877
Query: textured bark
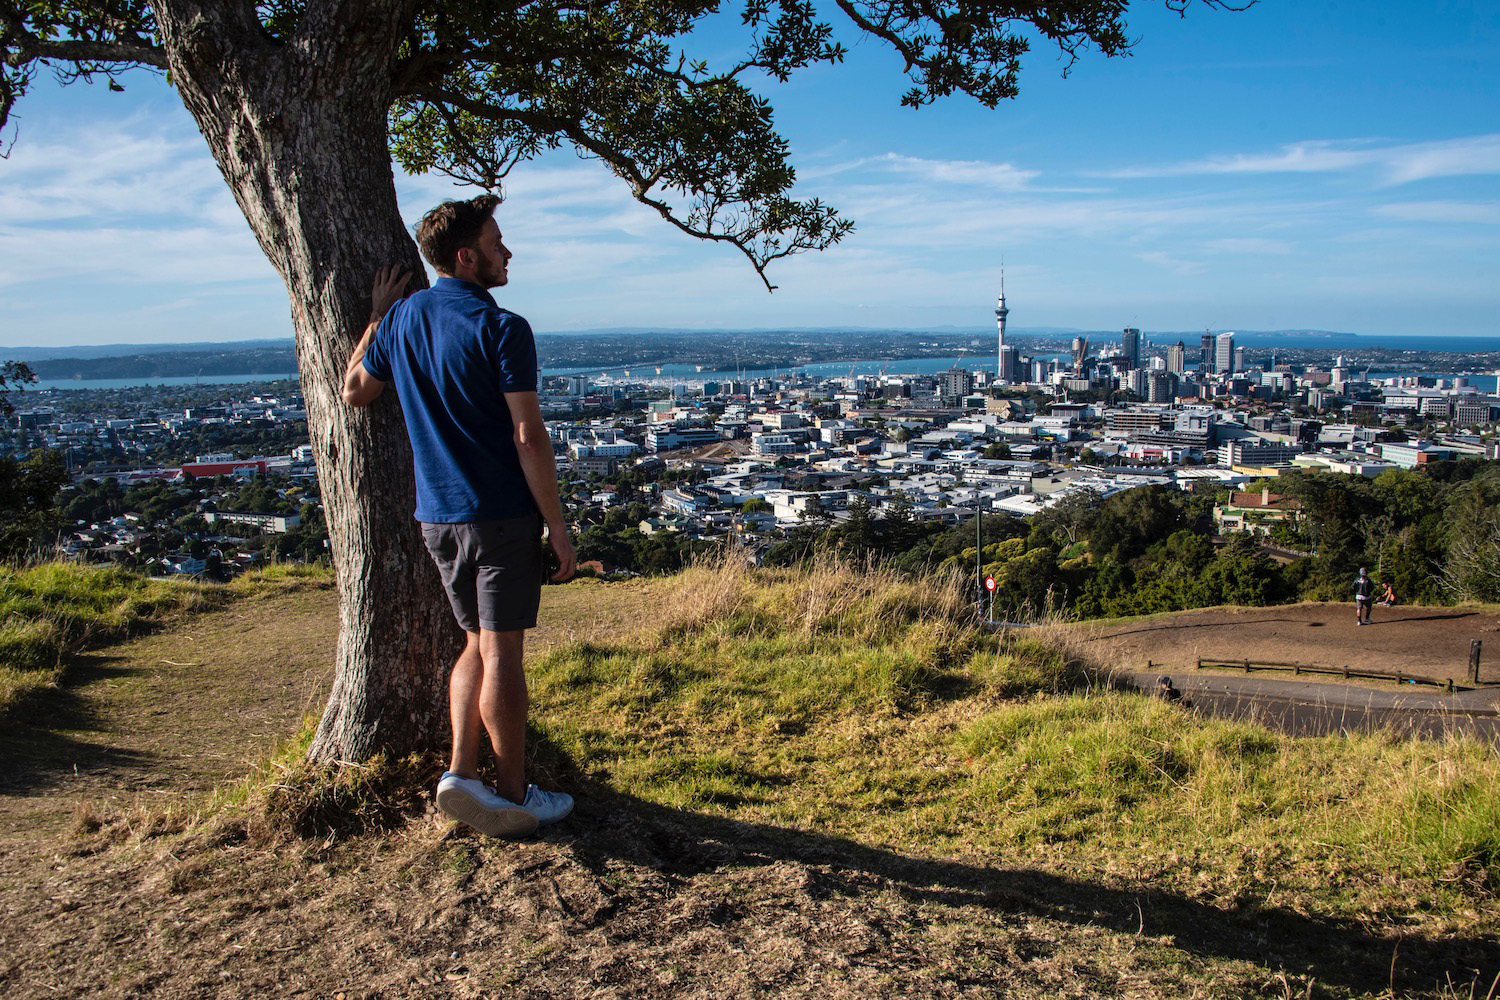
x=299, y=132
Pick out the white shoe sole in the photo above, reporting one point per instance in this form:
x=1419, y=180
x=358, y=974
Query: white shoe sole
x=511, y=823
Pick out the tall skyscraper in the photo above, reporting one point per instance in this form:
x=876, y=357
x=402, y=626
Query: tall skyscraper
x=1177, y=358
x=1224, y=354
x=1010, y=365
x=1206, y=353
x=1130, y=346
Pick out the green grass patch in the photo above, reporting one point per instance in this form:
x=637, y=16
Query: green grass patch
x=51, y=610
x=281, y=576
x=869, y=707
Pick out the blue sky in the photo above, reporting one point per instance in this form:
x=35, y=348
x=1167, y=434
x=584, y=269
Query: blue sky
x=1321, y=166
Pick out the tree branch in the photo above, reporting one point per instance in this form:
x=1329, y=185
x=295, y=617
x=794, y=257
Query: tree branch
x=766, y=230
x=22, y=45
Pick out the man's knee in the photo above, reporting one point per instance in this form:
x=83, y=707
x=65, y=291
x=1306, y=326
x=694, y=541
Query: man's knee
x=501, y=648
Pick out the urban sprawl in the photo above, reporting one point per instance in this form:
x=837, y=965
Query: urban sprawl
x=750, y=459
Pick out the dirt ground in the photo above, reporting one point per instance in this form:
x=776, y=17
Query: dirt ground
x=1427, y=641
x=101, y=894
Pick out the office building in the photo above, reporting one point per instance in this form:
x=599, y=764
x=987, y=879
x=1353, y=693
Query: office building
x=1130, y=345
x=1224, y=354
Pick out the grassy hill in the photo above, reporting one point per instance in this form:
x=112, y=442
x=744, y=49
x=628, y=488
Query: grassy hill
x=789, y=782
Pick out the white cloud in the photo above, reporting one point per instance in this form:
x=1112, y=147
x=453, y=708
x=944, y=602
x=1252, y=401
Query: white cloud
x=968, y=173
x=1392, y=164
x=116, y=171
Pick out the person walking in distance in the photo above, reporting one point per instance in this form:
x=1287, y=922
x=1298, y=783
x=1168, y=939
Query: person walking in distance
x=466, y=374
x=1364, y=596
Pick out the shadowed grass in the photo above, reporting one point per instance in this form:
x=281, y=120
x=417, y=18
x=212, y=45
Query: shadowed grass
x=51, y=610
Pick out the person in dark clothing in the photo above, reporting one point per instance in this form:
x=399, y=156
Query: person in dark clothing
x=486, y=483
x=1364, y=596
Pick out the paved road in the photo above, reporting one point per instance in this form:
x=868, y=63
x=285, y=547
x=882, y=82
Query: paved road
x=1309, y=708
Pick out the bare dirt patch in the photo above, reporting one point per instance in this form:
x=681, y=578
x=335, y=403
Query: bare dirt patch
x=1428, y=641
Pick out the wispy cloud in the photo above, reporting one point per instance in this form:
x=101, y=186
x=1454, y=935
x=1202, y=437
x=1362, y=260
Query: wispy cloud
x=1485, y=213
x=1255, y=246
x=124, y=170
x=1391, y=164
x=1169, y=262
x=973, y=173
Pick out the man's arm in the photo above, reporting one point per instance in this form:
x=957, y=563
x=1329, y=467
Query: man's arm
x=360, y=387
x=540, y=469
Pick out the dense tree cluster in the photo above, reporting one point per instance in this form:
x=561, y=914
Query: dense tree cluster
x=1433, y=534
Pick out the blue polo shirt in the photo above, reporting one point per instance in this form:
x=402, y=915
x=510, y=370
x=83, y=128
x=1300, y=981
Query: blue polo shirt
x=452, y=354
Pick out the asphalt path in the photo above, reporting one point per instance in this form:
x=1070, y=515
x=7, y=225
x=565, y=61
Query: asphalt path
x=1309, y=708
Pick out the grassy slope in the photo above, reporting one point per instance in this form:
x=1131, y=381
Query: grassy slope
x=798, y=783
x=850, y=703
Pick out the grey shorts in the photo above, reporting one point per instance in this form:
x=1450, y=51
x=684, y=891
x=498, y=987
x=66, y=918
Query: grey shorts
x=491, y=570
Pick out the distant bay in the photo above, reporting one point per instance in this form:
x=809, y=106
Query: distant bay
x=132, y=383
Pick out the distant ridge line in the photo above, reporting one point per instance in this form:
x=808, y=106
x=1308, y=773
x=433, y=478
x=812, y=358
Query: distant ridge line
x=1314, y=337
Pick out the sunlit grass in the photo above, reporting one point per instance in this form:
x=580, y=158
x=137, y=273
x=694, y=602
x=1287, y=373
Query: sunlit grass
x=853, y=702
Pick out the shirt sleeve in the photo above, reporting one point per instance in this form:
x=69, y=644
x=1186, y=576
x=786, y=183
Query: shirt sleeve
x=377, y=359
x=515, y=356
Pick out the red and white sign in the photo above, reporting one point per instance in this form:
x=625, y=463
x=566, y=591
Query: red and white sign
x=989, y=583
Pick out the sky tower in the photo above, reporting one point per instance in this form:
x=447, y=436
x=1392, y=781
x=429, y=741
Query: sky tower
x=1000, y=313
x=1007, y=359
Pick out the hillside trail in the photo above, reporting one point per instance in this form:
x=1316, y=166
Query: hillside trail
x=1427, y=641
x=167, y=718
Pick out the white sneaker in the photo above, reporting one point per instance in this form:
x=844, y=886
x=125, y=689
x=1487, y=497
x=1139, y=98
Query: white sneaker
x=471, y=801
x=547, y=807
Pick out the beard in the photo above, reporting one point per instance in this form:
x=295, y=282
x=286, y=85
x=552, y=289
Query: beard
x=491, y=275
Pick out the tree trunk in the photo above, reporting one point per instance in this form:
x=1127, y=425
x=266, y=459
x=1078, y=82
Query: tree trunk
x=298, y=130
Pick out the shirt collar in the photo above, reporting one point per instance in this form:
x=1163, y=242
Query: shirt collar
x=458, y=286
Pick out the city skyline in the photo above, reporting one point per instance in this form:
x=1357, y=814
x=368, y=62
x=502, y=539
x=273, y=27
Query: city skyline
x=1271, y=169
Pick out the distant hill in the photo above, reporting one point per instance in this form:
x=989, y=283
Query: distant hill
x=715, y=349
x=33, y=354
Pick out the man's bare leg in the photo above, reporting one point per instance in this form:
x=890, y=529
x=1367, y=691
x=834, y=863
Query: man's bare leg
x=503, y=705
x=464, y=685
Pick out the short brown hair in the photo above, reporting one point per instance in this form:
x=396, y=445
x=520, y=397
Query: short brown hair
x=450, y=227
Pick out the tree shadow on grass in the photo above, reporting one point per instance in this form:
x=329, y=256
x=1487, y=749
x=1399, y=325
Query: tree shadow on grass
x=611, y=827
x=45, y=738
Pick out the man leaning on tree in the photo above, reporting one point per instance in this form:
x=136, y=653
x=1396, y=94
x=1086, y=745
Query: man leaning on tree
x=466, y=373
